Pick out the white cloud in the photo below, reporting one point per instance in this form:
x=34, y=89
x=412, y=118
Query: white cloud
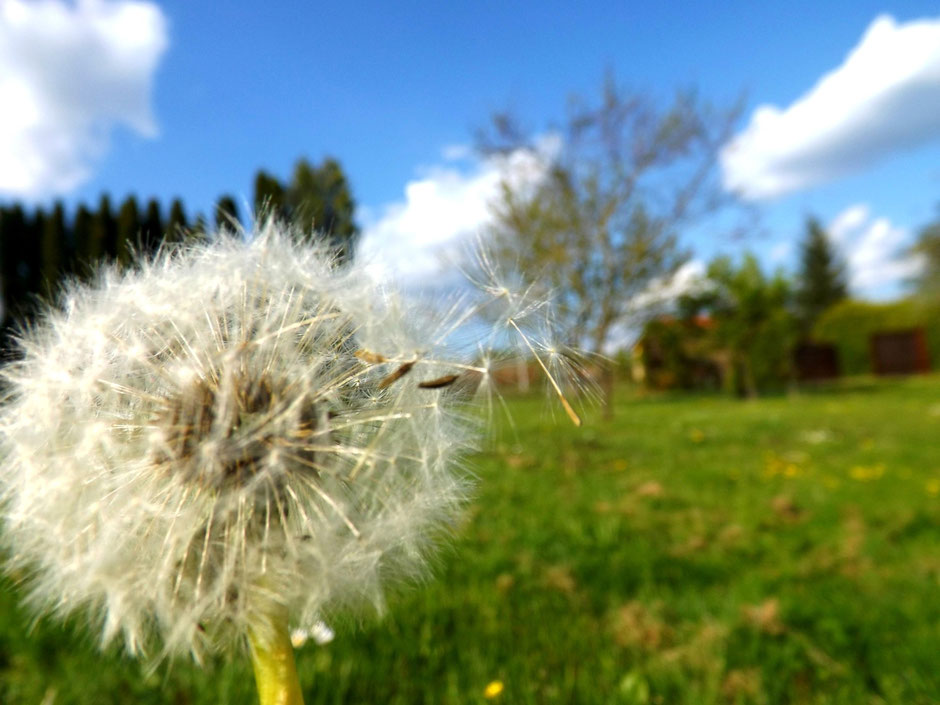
x=847, y=222
x=663, y=291
x=885, y=97
x=440, y=210
x=876, y=252
x=457, y=152
x=69, y=72
x=780, y=251
x=660, y=296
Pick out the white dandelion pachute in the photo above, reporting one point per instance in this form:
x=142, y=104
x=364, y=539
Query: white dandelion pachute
x=236, y=436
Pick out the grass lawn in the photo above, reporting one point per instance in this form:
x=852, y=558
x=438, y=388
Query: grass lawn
x=694, y=550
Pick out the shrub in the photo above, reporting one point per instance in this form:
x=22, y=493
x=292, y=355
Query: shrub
x=849, y=325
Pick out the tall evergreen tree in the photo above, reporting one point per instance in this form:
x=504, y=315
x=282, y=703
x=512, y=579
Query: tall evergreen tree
x=200, y=226
x=83, y=235
x=226, y=213
x=32, y=252
x=176, y=226
x=821, y=279
x=269, y=195
x=54, y=248
x=15, y=264
x=104, y=230
x=320, y=202
x=151, y=230
x=128, y=230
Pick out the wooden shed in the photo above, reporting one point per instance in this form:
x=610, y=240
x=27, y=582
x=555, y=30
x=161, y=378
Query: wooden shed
x=899, y=352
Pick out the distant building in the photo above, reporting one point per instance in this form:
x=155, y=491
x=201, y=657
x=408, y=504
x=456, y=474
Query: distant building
x=815, y=362
x=899, y=352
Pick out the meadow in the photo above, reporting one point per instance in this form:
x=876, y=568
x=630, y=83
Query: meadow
x=696, y=549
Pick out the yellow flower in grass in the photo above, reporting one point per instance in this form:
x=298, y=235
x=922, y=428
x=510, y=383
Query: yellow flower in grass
x=493, y=690
x=866, y=473
x=781, y=466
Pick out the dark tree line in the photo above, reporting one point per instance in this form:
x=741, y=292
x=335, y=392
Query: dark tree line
x=40, y=246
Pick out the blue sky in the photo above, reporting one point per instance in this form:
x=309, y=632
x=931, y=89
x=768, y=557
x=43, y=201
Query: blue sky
x=189, y=99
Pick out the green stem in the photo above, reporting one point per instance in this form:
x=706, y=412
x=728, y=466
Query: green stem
x=272, y=656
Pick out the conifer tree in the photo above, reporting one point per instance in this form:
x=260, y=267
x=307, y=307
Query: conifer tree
x=87, y=251
x=15, y=272
x=32, y=251
x=269, y=195
x=200, y=226
x=821, y=280
x=128, y=230
x=151, y=231
x=176, y=226
x=320, y=202
x=226, y=213
x=53, y=247
x=104, y=229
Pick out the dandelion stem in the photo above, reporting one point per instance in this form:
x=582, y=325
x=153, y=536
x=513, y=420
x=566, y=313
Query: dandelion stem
x=272, y=656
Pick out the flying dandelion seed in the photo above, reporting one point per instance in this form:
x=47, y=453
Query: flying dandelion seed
x=204, y=449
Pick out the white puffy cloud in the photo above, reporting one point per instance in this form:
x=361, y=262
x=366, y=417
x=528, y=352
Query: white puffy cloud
x=876, y=251
x=69, y=72
x=885, y=97
x=663, y=291
x=847, y=222
x=780, y=251
x=441, y=210
x=660, y=296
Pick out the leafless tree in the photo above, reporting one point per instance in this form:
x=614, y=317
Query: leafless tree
x=601, y=225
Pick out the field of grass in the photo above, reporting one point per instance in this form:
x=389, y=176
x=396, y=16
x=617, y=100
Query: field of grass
x=694, y=550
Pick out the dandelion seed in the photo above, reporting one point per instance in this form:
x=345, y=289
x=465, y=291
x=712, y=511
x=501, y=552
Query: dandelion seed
x=439, y=383
x=399, y=372
x=372, y=357
x=202, y=451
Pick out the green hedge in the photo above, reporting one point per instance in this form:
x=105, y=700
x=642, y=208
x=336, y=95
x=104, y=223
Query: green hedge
x=849, y=324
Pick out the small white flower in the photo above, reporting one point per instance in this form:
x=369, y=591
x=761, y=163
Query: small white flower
x=233, y=428
x=320, y=632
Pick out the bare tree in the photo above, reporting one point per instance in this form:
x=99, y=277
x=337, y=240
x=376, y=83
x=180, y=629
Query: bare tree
x=601, y=224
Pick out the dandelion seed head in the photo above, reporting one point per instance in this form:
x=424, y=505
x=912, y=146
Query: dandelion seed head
x=202, y=438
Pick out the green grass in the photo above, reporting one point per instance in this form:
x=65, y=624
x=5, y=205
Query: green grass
x=694, y=550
